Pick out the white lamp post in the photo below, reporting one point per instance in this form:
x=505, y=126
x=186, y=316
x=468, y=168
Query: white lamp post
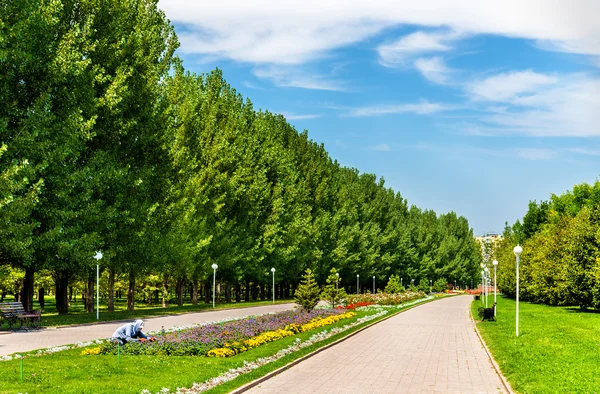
x=517, y=251
x=495, y=263
x=214, y=267
x=373, y=284
x=98, y=256
x=430, y=282
x=412, y=283
x=487, y=276
x=337, y=281
x=401, y=282
x=482, y=292
x=273, y=271
x=357, y=284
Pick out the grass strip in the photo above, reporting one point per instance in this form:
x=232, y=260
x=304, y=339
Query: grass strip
x=557, y=350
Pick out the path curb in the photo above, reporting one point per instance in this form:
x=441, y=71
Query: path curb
x=279, y=370
x=491, y=358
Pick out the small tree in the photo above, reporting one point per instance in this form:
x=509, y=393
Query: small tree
x=307, y=293
x=440, y=284
x=394, y=285
x=333, y=292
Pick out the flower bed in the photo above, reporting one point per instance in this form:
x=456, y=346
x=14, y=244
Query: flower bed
x=231, y=349
x=200, y=340
x=359, y=304
x=385, y=298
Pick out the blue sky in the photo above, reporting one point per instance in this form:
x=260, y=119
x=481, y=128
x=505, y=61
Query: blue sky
x=466, y=106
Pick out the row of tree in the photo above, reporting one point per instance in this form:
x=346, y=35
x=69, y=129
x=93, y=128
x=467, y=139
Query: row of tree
x=109, y=144
x=560, y=264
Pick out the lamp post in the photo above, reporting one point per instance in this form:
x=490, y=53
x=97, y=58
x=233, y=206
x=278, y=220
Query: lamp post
x=487, y=277
x=401, y=282
x=482, y=293
x=98, y=256
x=214, y=267
x=373, y=284
x=430, y=282
x=357, y=284
x=517, y=251
x=273, y=271
x=495, y=263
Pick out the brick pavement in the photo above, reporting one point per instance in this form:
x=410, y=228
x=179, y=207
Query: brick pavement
x=432, y=348
x=23, y=341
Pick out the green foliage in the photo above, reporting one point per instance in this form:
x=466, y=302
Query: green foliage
x=109, y=144
x=393, y=286
x=307, y=294
x=560, y=263
x=440, y=284
x=333, y=292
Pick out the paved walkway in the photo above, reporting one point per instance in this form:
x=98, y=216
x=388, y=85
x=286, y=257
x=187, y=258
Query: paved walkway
x=432, y=348
x=23, y=341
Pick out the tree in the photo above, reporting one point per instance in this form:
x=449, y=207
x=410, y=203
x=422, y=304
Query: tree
x=307, y=294
x=393, y=286
x=332, y=292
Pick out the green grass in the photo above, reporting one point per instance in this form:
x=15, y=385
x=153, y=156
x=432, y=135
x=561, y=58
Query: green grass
x=69, y=372
x=557, y=350
x=78, y=315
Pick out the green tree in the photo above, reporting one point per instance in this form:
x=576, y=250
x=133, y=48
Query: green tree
x=332, y=292
x=393, y=286
x=307, y=294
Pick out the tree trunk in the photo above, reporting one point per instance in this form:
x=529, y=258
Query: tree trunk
x=41, y=294
x=207, y=294
x=89, y=304
x=27, y=291
x=62, y=288
x=165, y=291
x=247, y=292
x=130, y=292
x=238, y=292
x=228, y=293
x=263, y=292
x=179, y=290
x=111, y=290
x=195, y=292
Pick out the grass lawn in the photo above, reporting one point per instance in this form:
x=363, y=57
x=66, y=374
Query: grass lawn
x=78, y=315
x=69, y=372
x=558, y=348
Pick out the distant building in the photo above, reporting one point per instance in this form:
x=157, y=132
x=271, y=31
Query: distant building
x=488, y=243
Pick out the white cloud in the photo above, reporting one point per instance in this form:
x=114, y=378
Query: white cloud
x=433, y=69
x=291, y=116
x=535, y=153
x=543, y=106
x=380, y=148
x=297, y=31
x=585, y=151
x=296, y=78
x=402, y=50
x=508, y=86
x=422, y=108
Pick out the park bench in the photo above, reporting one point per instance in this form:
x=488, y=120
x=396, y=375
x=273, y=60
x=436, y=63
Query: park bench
x=14, y=313
x=488, y=313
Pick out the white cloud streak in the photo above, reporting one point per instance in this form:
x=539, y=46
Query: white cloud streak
x=298, y=31
x=380, y=148
x=585, y=151
x=540, y=105
x=433, y=69
x=293, y=77
x=422, y=108
x=535, y=153
x=291, y=116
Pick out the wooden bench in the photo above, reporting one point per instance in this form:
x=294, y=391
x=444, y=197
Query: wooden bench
x=14, y=313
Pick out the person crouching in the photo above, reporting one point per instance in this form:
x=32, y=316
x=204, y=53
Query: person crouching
x=131, y=332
